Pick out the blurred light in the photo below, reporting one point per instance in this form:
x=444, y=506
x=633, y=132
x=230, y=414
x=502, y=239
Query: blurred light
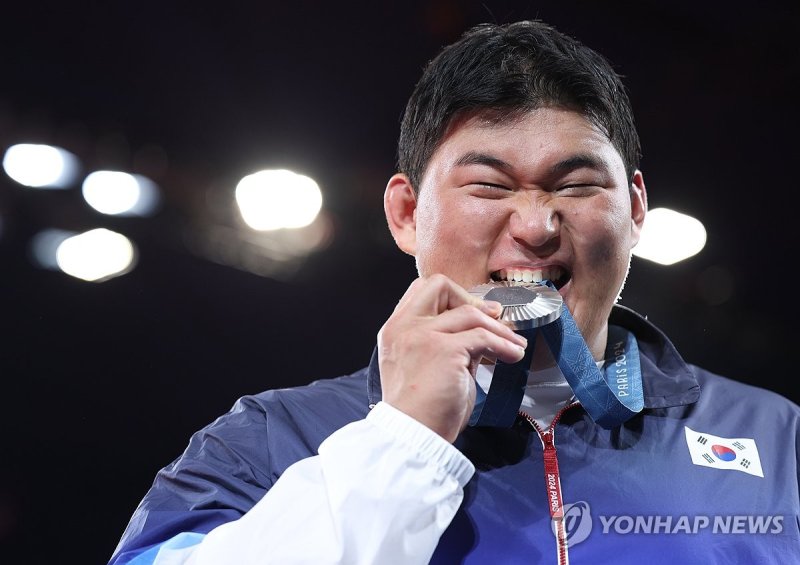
x=44, y=246
x=315, y=236
x=40, y=166
x=96, y=255
x=275, y=199
x=669, y=236
x=120, y=194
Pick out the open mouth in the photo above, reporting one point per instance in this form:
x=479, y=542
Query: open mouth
x=557, y=275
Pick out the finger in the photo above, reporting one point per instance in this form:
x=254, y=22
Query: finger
x=466, y=317
x=480, y=342
x=429, y=296
x=413, y=289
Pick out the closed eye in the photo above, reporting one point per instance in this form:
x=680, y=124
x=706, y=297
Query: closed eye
x=491, y=185
x=578, y=188
x=489, y=190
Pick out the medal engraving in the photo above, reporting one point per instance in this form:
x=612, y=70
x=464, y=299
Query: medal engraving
x=511, y=295
x=525, y=305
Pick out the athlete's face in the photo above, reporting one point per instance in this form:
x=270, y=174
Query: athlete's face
x=544, y=195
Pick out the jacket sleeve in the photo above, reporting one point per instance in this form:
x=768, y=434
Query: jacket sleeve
x=381, y=490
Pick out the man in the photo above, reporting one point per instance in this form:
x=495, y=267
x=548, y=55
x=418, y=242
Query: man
x=518, y=161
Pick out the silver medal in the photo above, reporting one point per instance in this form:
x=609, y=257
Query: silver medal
x=525, y=305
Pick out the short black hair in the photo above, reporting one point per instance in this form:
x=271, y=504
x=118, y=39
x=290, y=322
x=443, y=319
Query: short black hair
x=511, y=69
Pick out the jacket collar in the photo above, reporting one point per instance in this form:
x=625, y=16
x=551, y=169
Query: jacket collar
x=667, y=380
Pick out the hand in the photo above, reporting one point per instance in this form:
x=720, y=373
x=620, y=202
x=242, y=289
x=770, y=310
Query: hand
x=430, y=348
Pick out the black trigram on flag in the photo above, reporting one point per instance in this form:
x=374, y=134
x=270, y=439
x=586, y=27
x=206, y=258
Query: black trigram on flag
x=708, y=458
x=702, y=440
x=738, y=445
x=745, y=463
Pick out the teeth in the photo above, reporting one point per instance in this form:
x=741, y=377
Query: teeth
x=529, y=275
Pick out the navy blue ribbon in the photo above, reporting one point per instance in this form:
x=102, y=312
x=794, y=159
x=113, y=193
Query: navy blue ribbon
x=610, y=397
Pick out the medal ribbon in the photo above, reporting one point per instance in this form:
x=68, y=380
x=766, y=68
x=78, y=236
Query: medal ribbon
x=610, y=396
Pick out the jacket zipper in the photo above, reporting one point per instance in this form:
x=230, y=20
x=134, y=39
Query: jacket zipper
x=552, y=481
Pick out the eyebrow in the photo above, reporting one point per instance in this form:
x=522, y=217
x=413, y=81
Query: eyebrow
x=579, y=161
x=475, y=158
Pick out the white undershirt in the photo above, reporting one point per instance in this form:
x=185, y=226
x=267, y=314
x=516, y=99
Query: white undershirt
x=546, y=392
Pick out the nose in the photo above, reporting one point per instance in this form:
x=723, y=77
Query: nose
x=534, y=224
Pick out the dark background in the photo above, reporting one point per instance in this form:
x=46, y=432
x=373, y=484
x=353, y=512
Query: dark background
x=102, y=384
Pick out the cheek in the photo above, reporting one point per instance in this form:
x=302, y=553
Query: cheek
x=456, y=231
x=483, y=220
x=605, y=236
x=461, y=223
x=433, y=227
x=602, y=253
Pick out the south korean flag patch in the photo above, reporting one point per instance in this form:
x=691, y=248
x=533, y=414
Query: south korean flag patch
x=733, y=454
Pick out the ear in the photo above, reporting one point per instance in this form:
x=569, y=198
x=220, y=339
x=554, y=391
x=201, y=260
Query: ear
x=400, y=206
x=638, y=194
